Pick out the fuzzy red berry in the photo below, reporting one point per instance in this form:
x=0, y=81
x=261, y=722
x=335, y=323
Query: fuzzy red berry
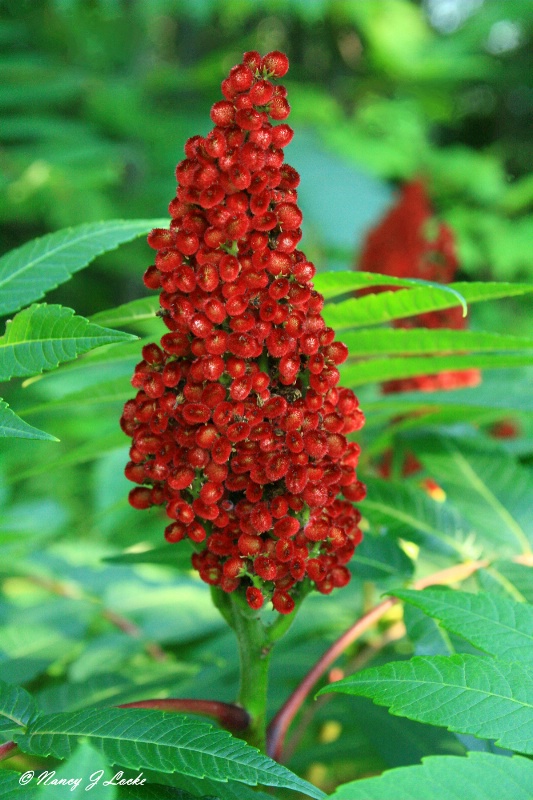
x=275, y=63
x=282, y=602
x=254, y=597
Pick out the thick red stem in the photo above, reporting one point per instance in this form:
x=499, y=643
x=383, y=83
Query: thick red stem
x=281, y=722
x=6, y=750
x=230, y=716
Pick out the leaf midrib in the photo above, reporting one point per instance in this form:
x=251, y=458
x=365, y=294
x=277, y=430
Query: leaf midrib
x=442, y=684
x=142, y=740
x=20, y=722
x=67, y=339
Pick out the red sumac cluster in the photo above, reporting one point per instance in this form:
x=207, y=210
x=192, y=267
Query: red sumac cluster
x=239, y=426
x=410, y=243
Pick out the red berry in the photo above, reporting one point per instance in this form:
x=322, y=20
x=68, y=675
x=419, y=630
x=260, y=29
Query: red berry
x=275, y=63
x=223, y=113
x=241, y=77
x=286, y=527
x=175, y=532
x=140, y=498
x=282, y=602
x=254, y=597
x=265, y=567
x=279, y=108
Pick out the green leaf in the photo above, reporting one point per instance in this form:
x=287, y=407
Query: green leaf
x=10, y=786
x=42, y=336
x=112, y=689
x=30, y=271
x=380, y=558
x=153, y=791
x=16, y=707
x=411, y=514
x=116, y=390
x=205, y=788
x=178, y=558
x=334, y=284
x=513, y=578
x=497, y=625
x=86, y=771
x=13, y=426
x=487, y=486
x=427, y=340
x=28, y=650
x=87, y=451
x=128, y=314
x=140, y=738
x=491, y=393
x=106, y=363
x=428, y=637
x=480, y=776
x=383, y=369
x=464, y=693
x=375, y=309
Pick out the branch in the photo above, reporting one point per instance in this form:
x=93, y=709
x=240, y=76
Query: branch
x=232, y=717
x=281, y=722
x=366, y=654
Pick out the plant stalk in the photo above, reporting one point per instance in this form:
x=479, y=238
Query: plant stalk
x=280, y=724
x=255, y=641
x=254, y=655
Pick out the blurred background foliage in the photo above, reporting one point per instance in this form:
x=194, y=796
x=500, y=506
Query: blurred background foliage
x=97, y=98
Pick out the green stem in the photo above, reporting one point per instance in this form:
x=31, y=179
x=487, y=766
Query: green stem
x=254, y=654
x=255, y=641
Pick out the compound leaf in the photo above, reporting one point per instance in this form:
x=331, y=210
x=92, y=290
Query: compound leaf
x=146, y=739
x=480, y=776
x=462, y=692
x=30, y=271
x=42, y=336
x=497, y=625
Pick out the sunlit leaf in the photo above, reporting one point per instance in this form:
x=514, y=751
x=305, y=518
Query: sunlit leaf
x=375, y=309
x=334, y=284
x=383, y=369
x=129, y=314
x=462, y=692
x=426, y=340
